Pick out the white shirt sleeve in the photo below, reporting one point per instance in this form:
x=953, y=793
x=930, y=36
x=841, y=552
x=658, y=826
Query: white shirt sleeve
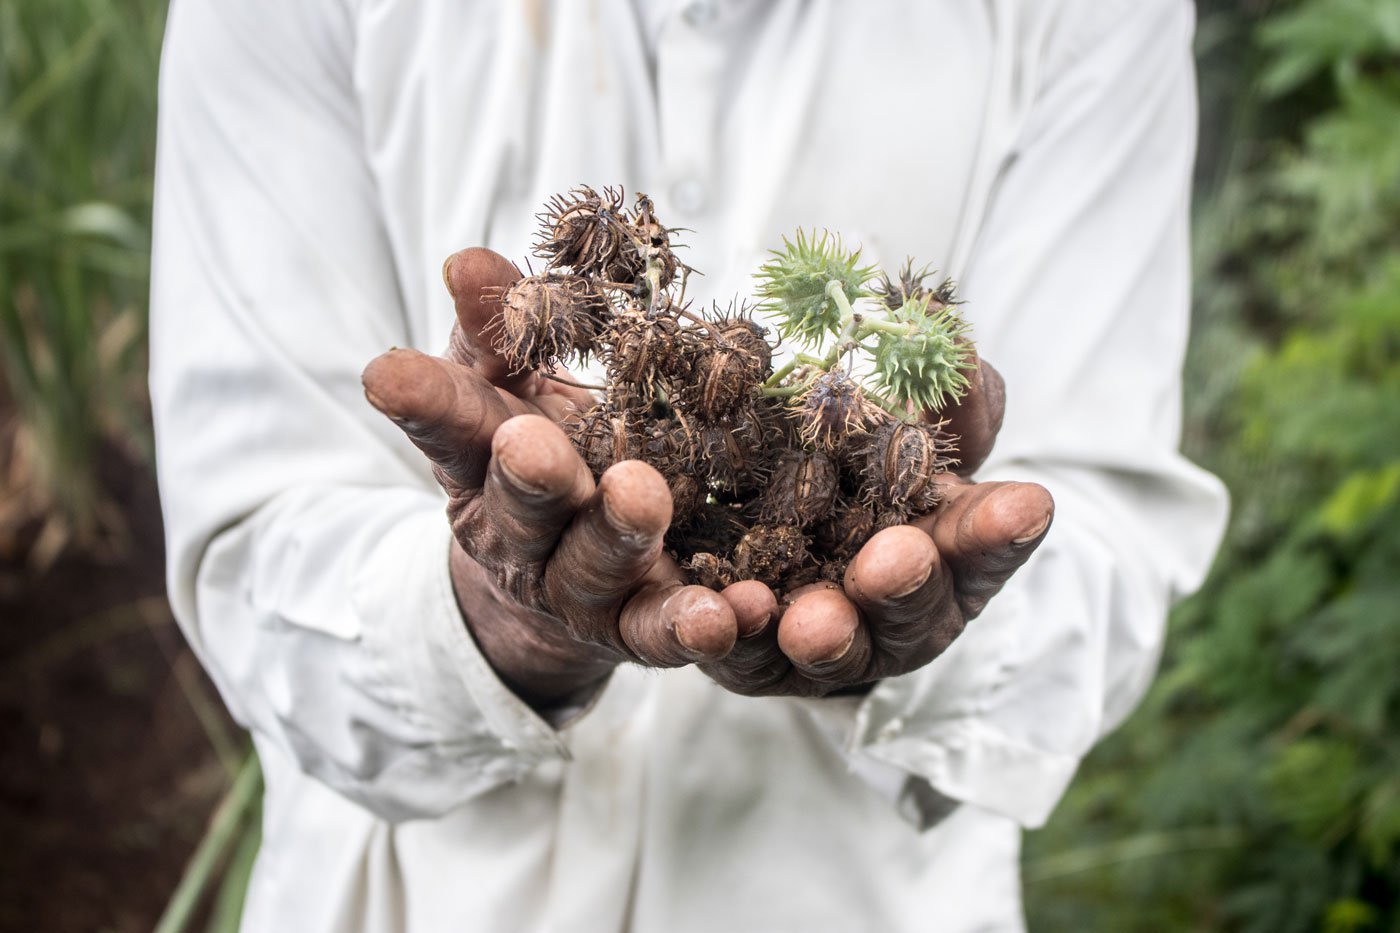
x=1083, y=261
x=307, y=543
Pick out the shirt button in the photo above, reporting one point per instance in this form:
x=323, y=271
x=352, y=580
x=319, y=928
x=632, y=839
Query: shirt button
x=699, y=13
x=688, y=196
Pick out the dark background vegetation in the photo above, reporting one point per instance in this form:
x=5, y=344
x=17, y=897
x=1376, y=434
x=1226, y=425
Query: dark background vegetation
x=1257, y=789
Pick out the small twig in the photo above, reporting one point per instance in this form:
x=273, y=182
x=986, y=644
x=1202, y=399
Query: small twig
x=571, y=383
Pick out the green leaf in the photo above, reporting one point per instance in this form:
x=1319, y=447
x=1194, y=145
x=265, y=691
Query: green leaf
x=1361, y=497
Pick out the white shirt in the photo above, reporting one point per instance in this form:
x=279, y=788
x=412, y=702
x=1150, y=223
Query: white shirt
x=319, y=159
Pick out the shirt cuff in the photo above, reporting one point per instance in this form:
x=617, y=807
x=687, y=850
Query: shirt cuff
x=441, y=675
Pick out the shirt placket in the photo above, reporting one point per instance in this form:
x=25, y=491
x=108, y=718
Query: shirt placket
x=690, y=59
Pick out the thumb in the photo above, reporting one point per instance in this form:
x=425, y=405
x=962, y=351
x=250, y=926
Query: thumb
x=475, y=278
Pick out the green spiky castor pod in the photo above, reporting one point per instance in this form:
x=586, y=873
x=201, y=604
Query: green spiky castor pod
x=793, y=285
x=925, y=364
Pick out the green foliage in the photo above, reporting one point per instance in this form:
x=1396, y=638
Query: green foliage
x=1275, y=724
x=77, y=120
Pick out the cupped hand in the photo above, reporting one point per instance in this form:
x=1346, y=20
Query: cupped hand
x=559, y=577
x=909, y=592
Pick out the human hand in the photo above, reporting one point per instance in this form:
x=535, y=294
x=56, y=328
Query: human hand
x=909, y=592
x=559, y=578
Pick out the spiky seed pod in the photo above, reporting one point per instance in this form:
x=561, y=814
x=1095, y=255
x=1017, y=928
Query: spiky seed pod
x=848, y=525
x=584, y=231
x=888, y=518
x=735, y=452
x=638, y=347
x=719, y=378
x=771, y=553
x=544, y=318
x=606, y=435
x=710, y=570
x=832, y=410
x=801, y=490
x=747, y=336
x=781, y=428
x=793, y=285
x=893, y=293
x=673, y=449
x=925, y=363
x=903, y=461
x=671, y=446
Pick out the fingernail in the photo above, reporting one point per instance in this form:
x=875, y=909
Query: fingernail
x=515, y=482
x=447, y=272
x=1032, y=535
x=758, y=629
x=845, y=650
x=706, y=631
x=915, y=586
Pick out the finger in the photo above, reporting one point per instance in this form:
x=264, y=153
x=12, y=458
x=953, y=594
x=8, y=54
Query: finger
x=535, y=484
x=905, y=591
x=755, y=666
x=822, y=635
x=754, y=605
x=976, y=418
x=475, y=278
x=608, y=547
x=985, y=532
x=446, y=409
x=670, y=625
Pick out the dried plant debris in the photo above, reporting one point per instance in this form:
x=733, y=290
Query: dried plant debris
x=777, y=475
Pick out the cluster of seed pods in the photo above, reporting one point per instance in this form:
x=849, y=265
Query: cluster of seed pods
x=782, y=487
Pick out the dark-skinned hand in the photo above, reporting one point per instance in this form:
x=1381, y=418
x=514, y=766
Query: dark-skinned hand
x=560, y=578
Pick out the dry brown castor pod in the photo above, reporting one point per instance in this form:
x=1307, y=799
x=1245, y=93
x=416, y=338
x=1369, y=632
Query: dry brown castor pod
x=894, y=293
x=638, y=347
x=801, y=490
x=666, y=447
x=833, y=410
x=719, y=379
x=841, y=534
x=735, y=452
x=646, y=238
x=902, y=464
x=584, y=231
x=545, y=318
x=742, y=332
x=605, y=435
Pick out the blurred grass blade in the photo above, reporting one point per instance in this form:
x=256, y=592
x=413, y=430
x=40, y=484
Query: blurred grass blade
x=232, y=821
x=227, y=914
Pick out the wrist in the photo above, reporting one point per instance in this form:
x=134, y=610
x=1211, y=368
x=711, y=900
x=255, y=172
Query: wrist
x=530, y=652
